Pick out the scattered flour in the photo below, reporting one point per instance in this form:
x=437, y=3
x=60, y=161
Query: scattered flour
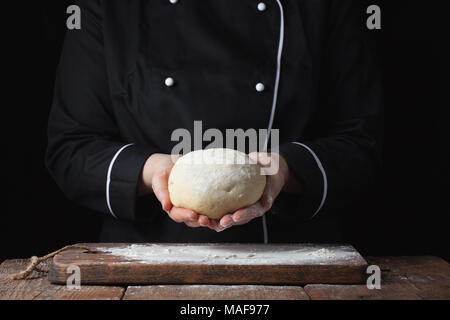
x=321, y=253
x=231, y=254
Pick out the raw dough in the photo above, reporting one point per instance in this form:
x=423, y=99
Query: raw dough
x=215, y=182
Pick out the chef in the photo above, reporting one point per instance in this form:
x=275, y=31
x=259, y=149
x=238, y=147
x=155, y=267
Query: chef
x=140, y=69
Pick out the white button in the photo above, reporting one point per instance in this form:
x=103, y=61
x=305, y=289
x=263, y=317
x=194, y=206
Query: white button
x=169, y=82
x=262, y=6
x=173, y=1
x=260, y=87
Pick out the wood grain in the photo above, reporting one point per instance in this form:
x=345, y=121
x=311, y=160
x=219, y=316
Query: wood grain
x=214, y=292
x=403, y=278
x=104, y=268
x=37, y=287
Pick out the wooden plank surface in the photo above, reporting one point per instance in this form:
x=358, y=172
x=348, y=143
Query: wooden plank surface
x=403, y=278
x=295, y=264
x=215, y=292
x=37, y=287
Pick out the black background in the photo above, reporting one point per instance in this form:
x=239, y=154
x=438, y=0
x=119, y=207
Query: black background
x=406, y=216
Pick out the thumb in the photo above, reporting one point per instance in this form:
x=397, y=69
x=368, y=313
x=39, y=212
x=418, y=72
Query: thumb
x=161, y=190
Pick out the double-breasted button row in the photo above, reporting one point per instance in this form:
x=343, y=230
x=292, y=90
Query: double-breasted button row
x=170, y=82
x=261, y=6
x=260, y=87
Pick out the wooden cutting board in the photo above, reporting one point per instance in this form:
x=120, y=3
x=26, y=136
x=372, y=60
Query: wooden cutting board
x=139, y=264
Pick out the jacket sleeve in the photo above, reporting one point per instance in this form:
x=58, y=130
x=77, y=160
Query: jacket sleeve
x=339, y=158
x=86, y=155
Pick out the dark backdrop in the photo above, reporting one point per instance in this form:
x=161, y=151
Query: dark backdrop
x=406, y=216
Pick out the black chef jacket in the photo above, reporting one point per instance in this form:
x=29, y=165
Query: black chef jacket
x=113, y=106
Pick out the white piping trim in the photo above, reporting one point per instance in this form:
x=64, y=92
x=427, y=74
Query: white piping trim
x=325, y=180
x=275, y=99
x=108, y=178
x=278, y=74
x=265, y=232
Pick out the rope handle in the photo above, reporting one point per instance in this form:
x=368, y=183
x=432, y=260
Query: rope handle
x=35, y=261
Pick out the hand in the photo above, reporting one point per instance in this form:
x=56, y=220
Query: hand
x=154, y=179
x=274, y=185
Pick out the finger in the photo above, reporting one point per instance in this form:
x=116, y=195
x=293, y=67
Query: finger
x=264, y=159
x=247, y=214
x=205, y=221
x=210, y=223
x=243, y=214
x=219, y=228
x=243, y=221
x=175, y=158
x=213, y=224
x=226, y=221
x=183, y=215
x=267, y=197
x=192, y=224
x=161, y=190
x=247, y=217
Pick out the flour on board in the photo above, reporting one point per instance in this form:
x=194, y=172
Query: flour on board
x=232, y=254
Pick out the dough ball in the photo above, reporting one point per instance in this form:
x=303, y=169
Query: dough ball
x=215, y=182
